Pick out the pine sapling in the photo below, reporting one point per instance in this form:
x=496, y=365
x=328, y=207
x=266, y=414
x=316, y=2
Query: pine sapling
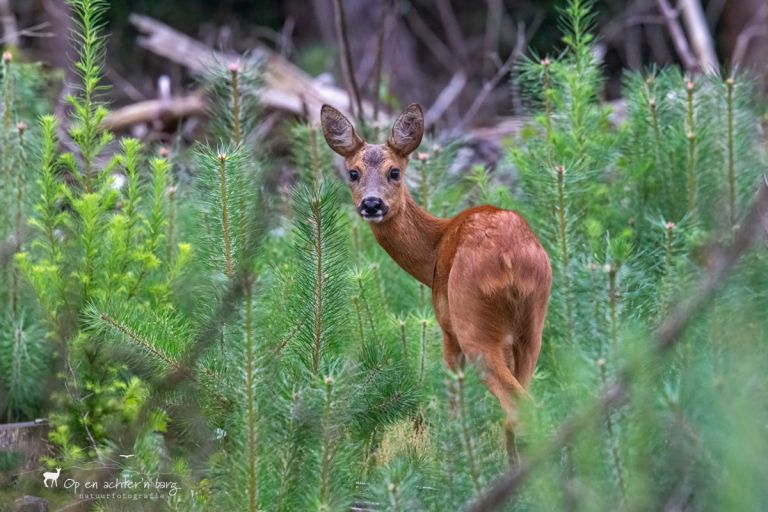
x=6, y=141
x=729, y=84
x=225, y=222
x=328, y=444
x=423, y=321
x=250, y=378
x=666, y=278
x=403, y=338
x=691, y=136
x=564, y=249
x=18, y=222
x=465, y=434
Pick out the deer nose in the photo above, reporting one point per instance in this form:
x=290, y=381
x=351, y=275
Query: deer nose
x=372, y=206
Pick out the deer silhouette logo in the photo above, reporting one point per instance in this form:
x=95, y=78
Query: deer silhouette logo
x=53, y=477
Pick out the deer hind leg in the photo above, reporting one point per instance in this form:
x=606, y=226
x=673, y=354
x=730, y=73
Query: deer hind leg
x=526, y=347
x=454, y=361
x=452, y=354
x=500, y=381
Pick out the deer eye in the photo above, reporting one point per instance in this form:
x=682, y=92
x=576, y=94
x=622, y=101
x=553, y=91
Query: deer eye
x=354, y=175
x=394, y=174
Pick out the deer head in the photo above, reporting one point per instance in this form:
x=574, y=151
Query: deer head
x=375, y=170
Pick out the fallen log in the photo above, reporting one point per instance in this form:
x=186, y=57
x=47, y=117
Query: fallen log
x=287, y=87
x=166, y=110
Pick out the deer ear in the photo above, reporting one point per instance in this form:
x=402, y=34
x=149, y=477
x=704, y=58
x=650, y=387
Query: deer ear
x=339, y=132
x=407, y=130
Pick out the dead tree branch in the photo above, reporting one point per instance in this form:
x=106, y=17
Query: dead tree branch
x=8, y=21
x=445, y=99
x=678, y=36
x=33, y=31
x=493, y=22
x=504, y=69
x=286, y=86
x=757, y=28
x=666, y=336
x=698, y=31
x=425, y=34
x=452, y=29
x=347, y=70
x=164, y=109
x=389, y=8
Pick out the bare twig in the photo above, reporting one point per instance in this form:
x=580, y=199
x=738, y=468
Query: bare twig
x=493, y=21
x=33, y=31
x=655, y=37
x=714, y=10
x=757, y=28
x=346, y=59
x=615, y=393
x=425, y=34
x=127, y=87
x=8, y=20
x=285, y=42
x=635, y=13
x=147, y=111
x=387, y=8
x=452, y=29
x=698, y=31
x=677, y=35
x=445, y=99
x=505, y=68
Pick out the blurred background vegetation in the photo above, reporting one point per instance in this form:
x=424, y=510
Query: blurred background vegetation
x=428, y=41
x=190, y=296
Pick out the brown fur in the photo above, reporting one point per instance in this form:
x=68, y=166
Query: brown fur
x=490, y=276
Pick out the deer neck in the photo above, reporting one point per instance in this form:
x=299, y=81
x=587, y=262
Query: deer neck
x=411, y=237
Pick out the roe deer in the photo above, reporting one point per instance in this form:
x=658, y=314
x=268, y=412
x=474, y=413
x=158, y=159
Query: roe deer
x=490, y=276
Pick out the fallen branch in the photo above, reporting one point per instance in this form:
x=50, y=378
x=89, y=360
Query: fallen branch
x=701, y=39
x=678, y=37
x=35, y=31
x=286, y=86
x=666, y=336
x=164, y=110
x=445, y=99
x=757, y=28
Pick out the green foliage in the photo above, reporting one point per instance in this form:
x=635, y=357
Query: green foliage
x=22, y=349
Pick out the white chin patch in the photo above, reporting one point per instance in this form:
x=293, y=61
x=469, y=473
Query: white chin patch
x=373, y=218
